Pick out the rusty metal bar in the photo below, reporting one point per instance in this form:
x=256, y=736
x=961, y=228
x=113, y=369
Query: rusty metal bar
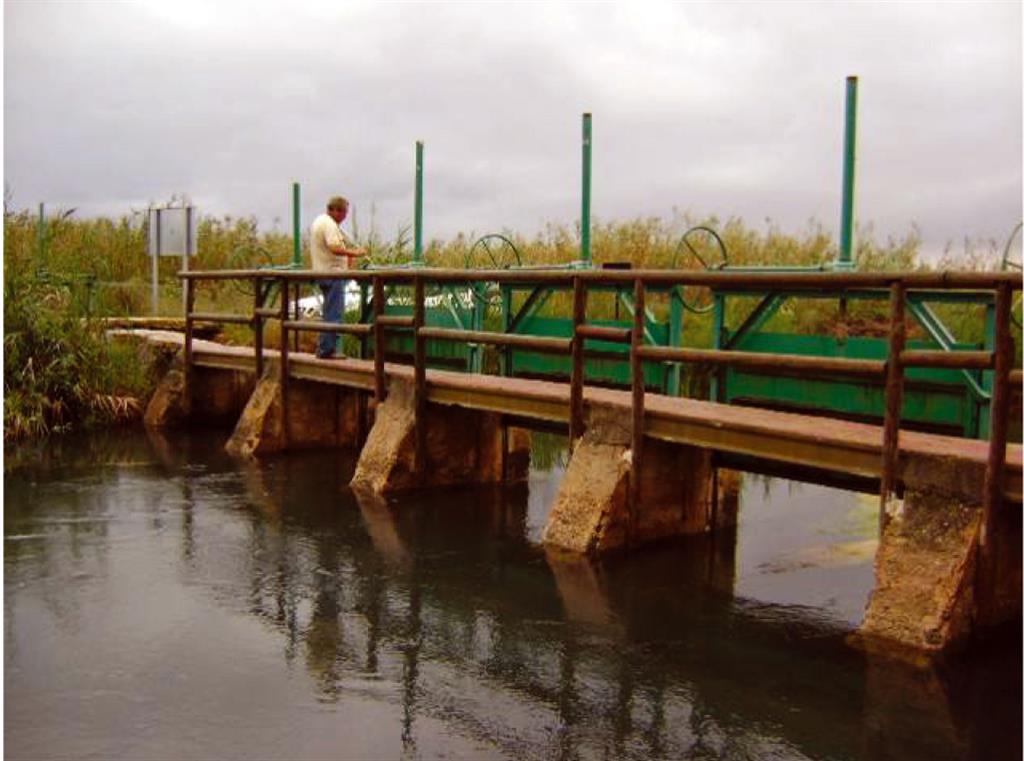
x=395, y=321
x=378, y=340
x=579, y=312
x=602, y=333
x=537, y=343
x=953, y=360
x=190, y=302
x=284, y=361
x=257, y=326
x=866, y=367
x=356, y=329
x=233, y=319
x=740, y=280
x=295, y=315
x=420, y=379
x=999, y=415
x=636, y=369
x=893, y=397
x=266, y=312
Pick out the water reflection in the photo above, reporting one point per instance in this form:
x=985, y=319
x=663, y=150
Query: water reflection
x=429, y=625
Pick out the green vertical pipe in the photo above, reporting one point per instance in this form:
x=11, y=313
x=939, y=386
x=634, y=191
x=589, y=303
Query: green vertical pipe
x=296, y=232
x=585, y=212
x=417, y=255
x=849, y=160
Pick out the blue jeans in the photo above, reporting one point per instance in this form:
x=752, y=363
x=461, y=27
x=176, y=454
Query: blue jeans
x=333, y=291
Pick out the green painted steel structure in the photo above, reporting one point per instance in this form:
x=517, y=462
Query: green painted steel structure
x=849, y=164
x=945, y=400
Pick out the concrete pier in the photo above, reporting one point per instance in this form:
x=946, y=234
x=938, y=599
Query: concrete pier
x=676, y=495
x=937, y=587
x=319, y=415
x=462, y=447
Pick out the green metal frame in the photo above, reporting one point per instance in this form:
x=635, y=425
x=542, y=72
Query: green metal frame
x=947, y=399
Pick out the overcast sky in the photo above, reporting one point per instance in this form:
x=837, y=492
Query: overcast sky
x=725, y=109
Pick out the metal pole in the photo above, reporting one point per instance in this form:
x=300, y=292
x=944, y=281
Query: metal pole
x=379, y=388
x=893, y=399
x=417, y=254
x=187, y=252
x=284, y=360
x=154, y=219
x=585, y=211
x=579, y=316
x=257, y=326
x=999, y=418
x=420, y=378
x=41, y=230
x=190, y=300
x=636, y=366
x=849, y=159
x=296, y=223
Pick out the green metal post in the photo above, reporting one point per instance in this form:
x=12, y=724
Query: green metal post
x=296, y=232
x=585, y=212
x=845, y=261
x=417, y=254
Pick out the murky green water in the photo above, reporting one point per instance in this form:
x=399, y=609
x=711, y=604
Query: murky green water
x=162, y=601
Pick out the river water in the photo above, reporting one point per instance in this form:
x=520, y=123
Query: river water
x=162, y=601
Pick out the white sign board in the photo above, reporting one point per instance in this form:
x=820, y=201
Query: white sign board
x=172, y=231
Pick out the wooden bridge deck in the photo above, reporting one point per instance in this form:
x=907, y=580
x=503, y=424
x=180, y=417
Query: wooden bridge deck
x=825, y=444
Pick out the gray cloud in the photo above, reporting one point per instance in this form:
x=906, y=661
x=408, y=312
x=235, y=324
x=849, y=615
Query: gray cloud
x=727, y=109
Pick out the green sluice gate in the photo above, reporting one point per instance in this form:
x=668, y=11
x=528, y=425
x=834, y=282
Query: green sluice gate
x=933, y=399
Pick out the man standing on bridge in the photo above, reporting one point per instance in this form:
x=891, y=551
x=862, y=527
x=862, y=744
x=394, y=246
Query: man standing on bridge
x=331, y=252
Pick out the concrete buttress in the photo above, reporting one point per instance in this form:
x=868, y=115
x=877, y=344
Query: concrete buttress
x=676, y=495
x=462, y=447
x=931, y=592
x=319, y=416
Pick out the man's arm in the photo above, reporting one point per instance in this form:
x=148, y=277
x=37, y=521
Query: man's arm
x=345, y=251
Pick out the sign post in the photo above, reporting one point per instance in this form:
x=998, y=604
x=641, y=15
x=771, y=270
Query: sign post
x=172, y=232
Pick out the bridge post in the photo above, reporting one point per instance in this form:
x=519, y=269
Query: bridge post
x=934, y=590
x=315, y=415
x=460, y=446
x=591, y=514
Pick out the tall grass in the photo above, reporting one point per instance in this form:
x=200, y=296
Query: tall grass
x=58, y=373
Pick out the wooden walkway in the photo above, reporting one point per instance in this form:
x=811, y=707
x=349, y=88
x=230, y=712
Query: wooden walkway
x=824, y=444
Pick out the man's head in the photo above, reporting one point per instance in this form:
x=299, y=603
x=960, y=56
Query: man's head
x=337, y=208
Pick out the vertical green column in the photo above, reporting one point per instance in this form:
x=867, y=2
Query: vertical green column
x=849, y=160
x=296, y=223
x=585, y=211
x=417, y=254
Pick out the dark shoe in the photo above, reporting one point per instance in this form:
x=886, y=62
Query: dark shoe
x=327, y=355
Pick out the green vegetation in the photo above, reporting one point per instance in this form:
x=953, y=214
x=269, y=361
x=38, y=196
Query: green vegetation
x=59, y=374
